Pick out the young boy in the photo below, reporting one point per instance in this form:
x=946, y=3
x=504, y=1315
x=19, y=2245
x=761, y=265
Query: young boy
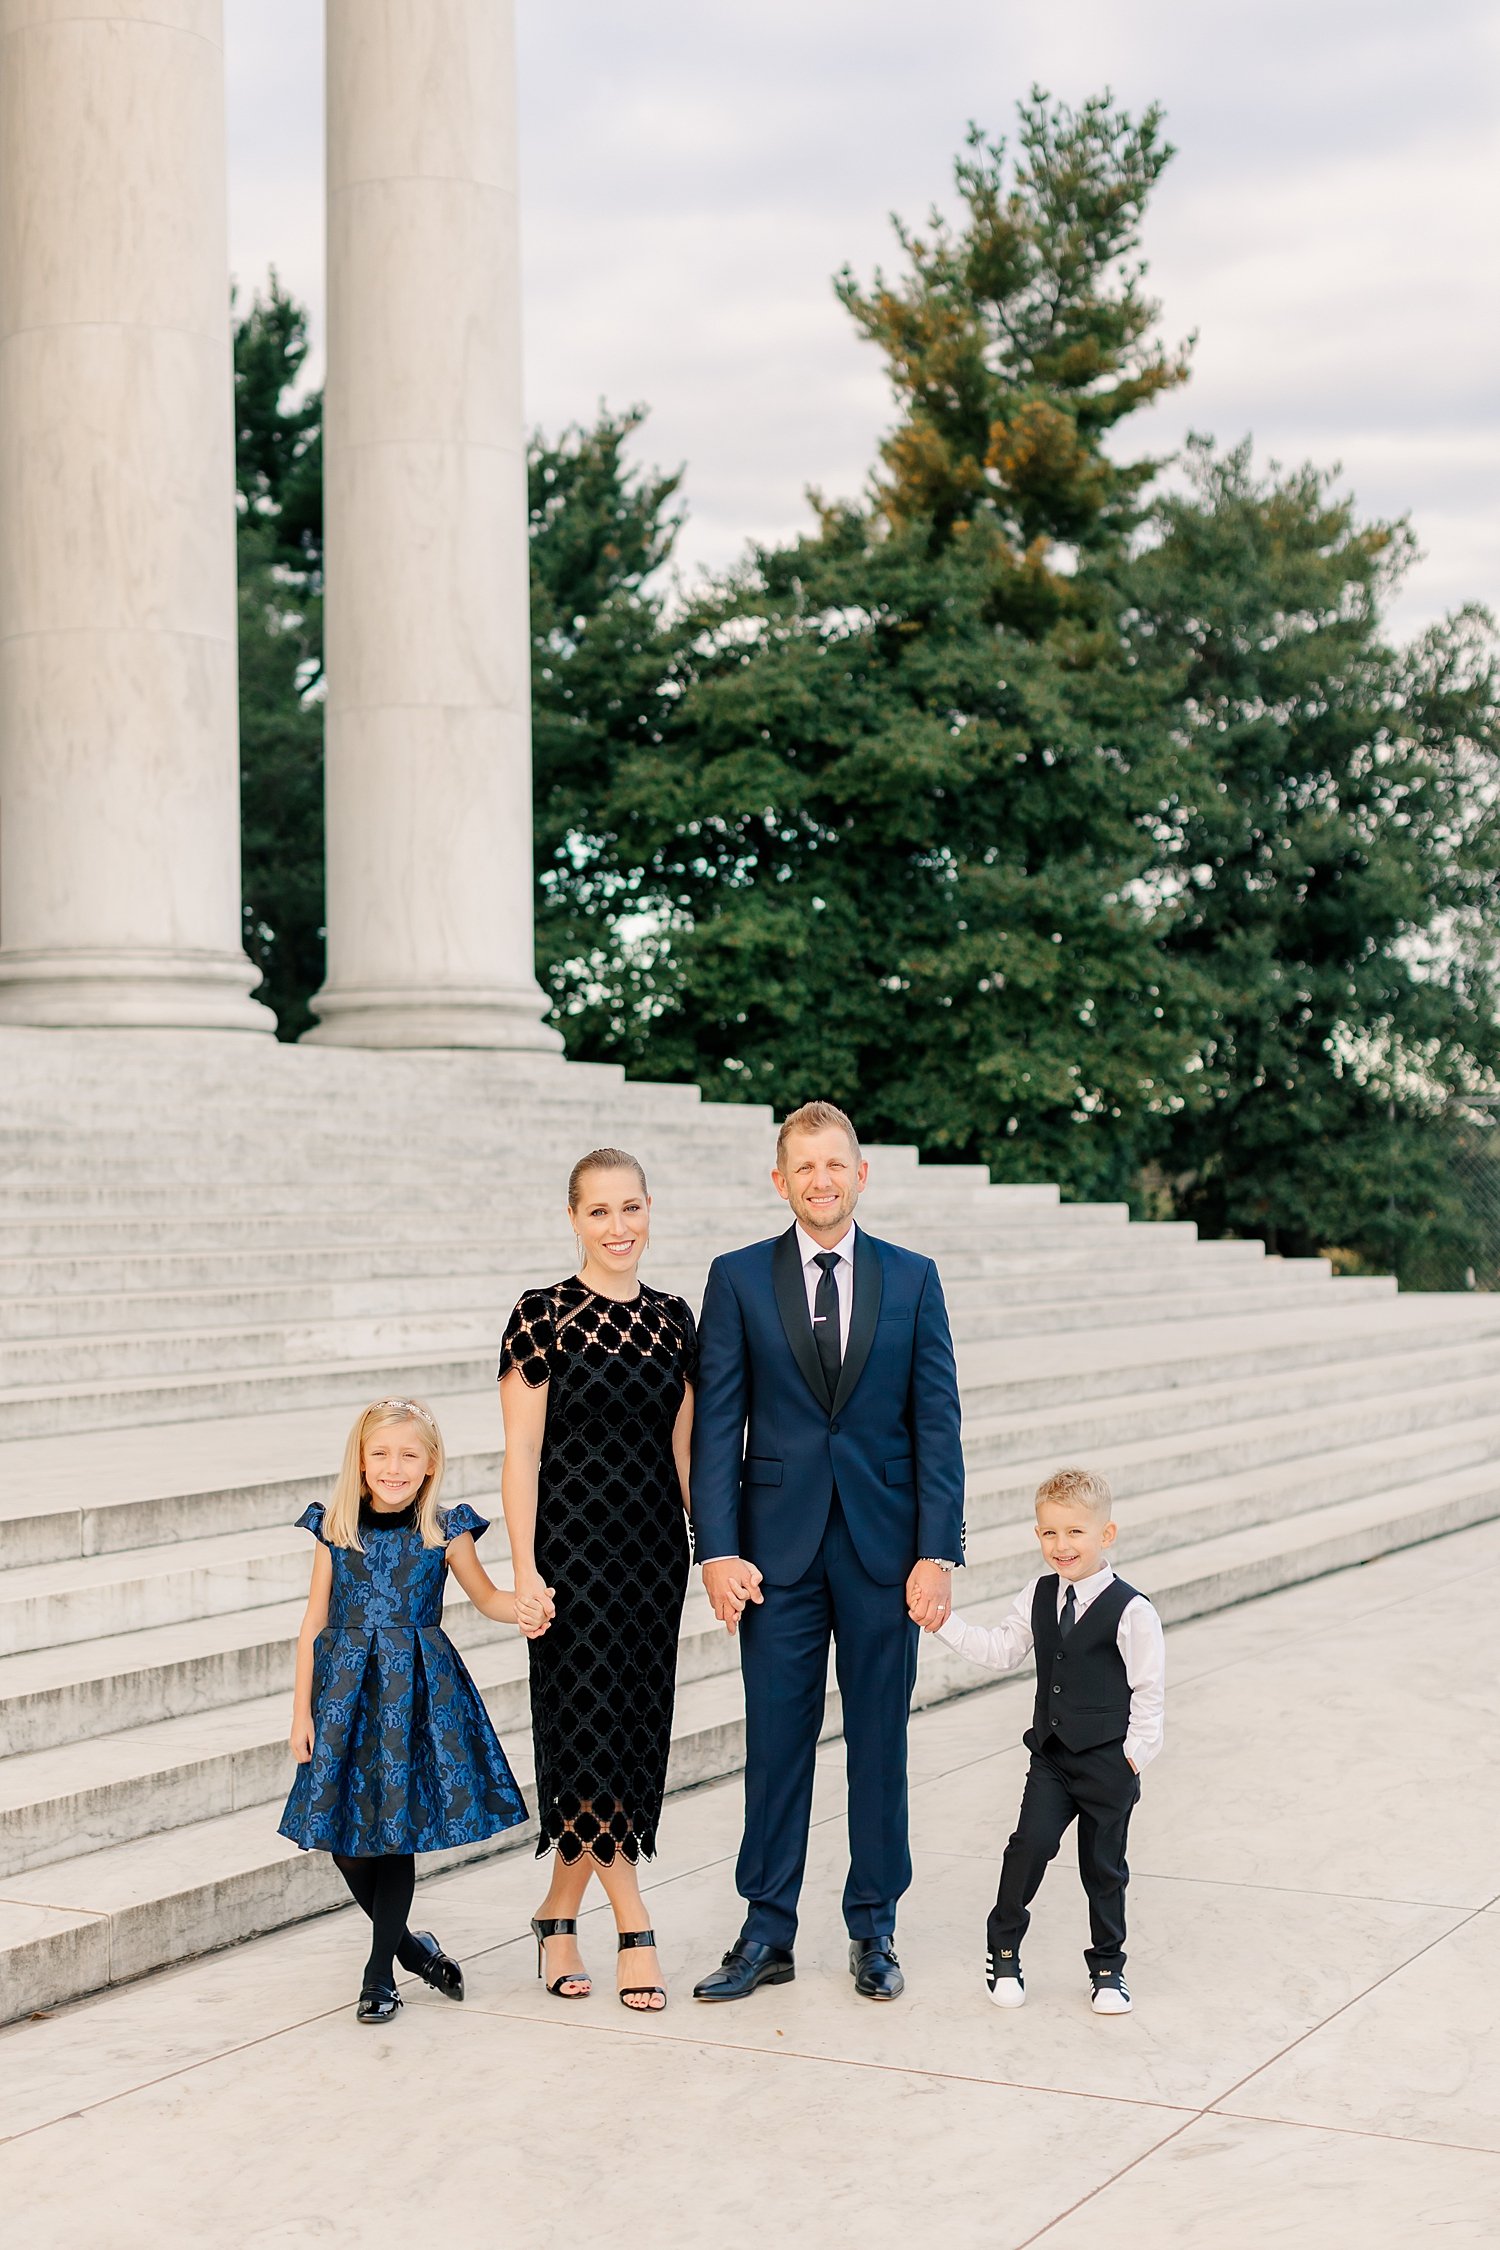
x=1100, y=1691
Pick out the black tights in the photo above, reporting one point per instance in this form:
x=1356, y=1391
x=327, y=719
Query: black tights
x=384, y=1887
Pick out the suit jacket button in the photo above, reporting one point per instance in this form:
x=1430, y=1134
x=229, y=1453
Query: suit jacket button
x=833, y=1429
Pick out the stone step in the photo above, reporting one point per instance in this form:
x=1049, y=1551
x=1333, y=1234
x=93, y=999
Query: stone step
x=89, y=1688
x=137, y=1781
x=113, y=1381
x=1044, y=1371
x=1156, y=1518
x=72, y=1925
x=131, y=1781
x=58, y=1603
x=1087, y=1427
x=696, y=1186
x=71, y=1294
x=261, y=1215
x=215, y=1650
x=98, y=1492
x=487, y=1283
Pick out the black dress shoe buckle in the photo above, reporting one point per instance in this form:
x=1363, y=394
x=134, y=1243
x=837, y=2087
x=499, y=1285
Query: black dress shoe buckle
x=744, y=1967
x=875, y=1969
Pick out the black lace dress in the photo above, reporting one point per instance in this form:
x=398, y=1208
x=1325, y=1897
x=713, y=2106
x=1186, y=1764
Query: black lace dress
x=611, y=1537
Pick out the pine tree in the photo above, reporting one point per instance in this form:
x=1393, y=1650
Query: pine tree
x=895, y=833
x=278, y=462
x=1340, y=869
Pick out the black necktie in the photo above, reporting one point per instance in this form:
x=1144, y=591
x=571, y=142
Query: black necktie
x=1069, y=1617
x=826, y=1319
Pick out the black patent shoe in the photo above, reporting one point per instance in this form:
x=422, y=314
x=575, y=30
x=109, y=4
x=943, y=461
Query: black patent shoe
x=436, y=1967
x=743, y=1967
x=377, y=2004
x=875, y=1969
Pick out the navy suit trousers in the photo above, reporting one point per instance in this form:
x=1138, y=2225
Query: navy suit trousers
x=784, y=1655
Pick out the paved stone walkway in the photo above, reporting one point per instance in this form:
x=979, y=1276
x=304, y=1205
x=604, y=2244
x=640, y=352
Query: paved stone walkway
x=1314, y=2060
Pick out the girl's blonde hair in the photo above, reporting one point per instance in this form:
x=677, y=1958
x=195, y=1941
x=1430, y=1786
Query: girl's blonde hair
x=341, y=1523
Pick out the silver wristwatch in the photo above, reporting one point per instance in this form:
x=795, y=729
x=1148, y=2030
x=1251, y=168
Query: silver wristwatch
x=941, y=1561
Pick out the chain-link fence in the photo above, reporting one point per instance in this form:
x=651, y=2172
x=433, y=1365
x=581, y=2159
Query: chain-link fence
x=1458, y=1244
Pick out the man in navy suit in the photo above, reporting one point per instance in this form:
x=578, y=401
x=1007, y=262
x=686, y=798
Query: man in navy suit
x=827, y=1490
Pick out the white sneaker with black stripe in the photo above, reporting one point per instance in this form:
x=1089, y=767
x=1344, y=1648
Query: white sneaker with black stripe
x=1111, y=1996
x=1003, y=1976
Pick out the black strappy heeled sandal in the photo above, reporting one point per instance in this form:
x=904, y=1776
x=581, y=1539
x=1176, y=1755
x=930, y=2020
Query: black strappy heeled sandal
x=628, y=1938
x=541, y=1931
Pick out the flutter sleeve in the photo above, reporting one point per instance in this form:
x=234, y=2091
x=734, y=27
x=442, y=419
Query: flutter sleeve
x=311, y=1519
x=528, y=1340
x=456, y=1521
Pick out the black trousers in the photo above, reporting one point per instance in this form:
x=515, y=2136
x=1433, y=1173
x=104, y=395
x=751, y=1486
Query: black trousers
x=1098, y=1790
x=784, y=1656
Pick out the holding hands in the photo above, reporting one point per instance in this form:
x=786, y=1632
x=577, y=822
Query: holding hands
x=730, y=1583
x=929, y=1595
x=536, y=1606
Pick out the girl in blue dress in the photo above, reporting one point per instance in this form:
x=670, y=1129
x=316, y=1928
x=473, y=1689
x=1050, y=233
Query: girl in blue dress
x=395, y=1751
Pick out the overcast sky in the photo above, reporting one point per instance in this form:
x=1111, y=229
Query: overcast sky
x=694, y=171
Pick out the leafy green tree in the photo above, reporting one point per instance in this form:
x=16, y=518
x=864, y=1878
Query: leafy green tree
x=601, y=532
x=278, y=459
x=1339, y=868
x=893, y=830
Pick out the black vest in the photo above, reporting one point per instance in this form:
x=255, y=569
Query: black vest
x=1082, y=1691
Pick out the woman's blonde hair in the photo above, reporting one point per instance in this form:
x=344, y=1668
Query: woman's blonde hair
x=602, y=1160
x=341, y=1523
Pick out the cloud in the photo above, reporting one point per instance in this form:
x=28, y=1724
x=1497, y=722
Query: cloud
x=694, y=174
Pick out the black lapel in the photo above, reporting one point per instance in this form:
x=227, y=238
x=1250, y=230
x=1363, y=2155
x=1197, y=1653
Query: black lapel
x=791, y=1303
x=865, y=1312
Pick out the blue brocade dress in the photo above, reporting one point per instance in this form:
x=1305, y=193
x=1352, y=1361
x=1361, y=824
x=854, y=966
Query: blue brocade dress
x=404, y=1756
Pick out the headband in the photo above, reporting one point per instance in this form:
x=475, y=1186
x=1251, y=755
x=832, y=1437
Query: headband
x=410, y=1406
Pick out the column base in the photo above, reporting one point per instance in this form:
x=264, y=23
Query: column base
x=496, y=1016
x=63, y=990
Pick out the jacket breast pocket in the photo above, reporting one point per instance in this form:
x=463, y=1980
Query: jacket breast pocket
x=903, y=1471
x=758, y=1470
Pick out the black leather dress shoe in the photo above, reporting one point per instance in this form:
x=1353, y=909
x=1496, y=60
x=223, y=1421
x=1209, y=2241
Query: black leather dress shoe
x=875, y=1969
x=437, y=1968
x=377, y=2004
x=744, y=1966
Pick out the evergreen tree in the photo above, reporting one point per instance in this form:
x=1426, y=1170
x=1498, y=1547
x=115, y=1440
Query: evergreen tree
x=892, y=833
x=278, y=461
x=601, y=532
x=1340, y=870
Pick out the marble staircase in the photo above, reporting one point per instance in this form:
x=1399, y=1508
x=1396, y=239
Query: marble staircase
x=212, y=1252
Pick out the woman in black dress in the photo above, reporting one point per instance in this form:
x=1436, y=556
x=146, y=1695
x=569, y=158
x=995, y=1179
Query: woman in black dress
x=596, y=1385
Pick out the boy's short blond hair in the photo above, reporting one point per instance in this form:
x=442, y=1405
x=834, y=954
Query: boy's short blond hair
x=1078, y=1488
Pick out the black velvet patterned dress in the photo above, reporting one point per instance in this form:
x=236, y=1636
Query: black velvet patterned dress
x=611, y=1537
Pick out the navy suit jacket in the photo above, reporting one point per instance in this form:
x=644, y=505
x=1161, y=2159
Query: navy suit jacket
x=770, y=1445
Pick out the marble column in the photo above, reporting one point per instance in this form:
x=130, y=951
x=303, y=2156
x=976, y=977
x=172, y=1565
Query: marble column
x=426, y=615
x=119, y=779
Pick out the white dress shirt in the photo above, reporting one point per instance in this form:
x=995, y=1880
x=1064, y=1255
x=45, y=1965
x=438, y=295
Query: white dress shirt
x=1006, y=1646
x=812, y=1274
x=843, y=1274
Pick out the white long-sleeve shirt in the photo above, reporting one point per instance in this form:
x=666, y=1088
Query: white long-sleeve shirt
x=1139, y=1638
